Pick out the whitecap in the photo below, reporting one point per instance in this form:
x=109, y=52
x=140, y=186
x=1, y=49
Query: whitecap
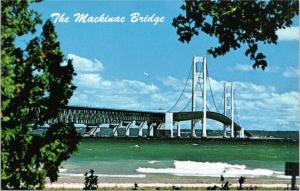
x=209, y=169
x=62, y=170
x=106, y=175
x=153, y=161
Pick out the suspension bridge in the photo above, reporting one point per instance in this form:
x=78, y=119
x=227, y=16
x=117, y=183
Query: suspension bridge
x=147, y=123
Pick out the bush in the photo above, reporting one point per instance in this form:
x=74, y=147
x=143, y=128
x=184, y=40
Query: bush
x=241, y=181
x=91, y=181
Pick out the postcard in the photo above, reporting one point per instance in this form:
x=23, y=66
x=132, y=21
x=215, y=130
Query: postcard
x=150, y=95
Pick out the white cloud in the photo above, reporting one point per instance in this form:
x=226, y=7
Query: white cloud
x=288, y=34
x=93, y=90
x=248, y=68
x=82, y=64
x=217, y=86
x=175, y=83
x=258, y=106
x=290, y=72
x=242, y=68
x=88, y=79
x=261, y=107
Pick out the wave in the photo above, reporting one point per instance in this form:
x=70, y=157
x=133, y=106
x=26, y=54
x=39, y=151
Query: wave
x=62, y=170
x=209, y=169
x=153, y=161
x=106, y=175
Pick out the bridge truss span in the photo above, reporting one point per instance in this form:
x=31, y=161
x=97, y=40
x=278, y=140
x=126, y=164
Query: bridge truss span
x=90, y=115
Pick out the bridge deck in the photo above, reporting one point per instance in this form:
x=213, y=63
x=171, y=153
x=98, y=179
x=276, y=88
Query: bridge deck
x=92, y=115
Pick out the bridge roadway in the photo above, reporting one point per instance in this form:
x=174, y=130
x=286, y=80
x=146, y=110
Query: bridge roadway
x=92, y=115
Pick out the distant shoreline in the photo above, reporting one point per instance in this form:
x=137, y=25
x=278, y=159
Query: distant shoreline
x=198, y=139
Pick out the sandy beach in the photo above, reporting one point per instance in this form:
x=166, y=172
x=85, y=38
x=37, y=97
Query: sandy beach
x=130, y=185
x=154, y=182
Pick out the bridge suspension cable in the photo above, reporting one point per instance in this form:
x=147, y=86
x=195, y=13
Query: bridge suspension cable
x=221, y=102
x=212, y=95
x=186, y=105
x=198, y=82
x=181, y=94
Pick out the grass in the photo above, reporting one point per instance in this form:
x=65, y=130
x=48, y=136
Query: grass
x=172, y=188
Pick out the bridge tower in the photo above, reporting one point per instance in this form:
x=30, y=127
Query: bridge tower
x=196, y=78
x=229, y=99
x=232, y=112
x=225, y=108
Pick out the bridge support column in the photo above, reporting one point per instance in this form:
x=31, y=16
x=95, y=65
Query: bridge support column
x=92, y=129
x=225, y=132
x=169, y=123
x=115, y=129
x=97, y=130
x=242, y=133
x=140, y=127
x=151, y=129
x=178, y=129
x=155, y=129
x=171, y=132
x=127, y=128
x=193, y=133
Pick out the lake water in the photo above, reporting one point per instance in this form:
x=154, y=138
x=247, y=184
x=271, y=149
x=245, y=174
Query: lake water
x=189, y=158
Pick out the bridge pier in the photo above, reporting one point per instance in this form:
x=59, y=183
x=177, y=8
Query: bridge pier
x=178, y=129
x=169, y=123
x=242, y=133
x=92, y=129
x=115, y=129
x=151, y=129
x=127, y=128
x=140, y=127
x=225, y=132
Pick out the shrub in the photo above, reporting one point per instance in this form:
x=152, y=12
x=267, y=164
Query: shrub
x=91, y=181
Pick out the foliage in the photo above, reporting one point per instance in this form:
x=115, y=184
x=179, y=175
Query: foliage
x=135, y=186
x=223, y=186
x=176, y=188
x=34, y=76
x=235, y=23
x=241, y=181
x=91, y=181
x=222, y=178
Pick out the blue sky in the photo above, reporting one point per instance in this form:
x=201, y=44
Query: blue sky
x=111, y=59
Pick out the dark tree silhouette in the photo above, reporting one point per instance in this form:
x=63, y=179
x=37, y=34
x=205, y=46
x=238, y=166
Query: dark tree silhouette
x=235, y=23
x=32, y=77
x=241, y=181
x=90, y=181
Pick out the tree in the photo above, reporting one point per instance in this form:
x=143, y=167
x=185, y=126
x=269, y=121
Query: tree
x=241, y=182
x=235, y=23
x=90, y=181
x=35, y=82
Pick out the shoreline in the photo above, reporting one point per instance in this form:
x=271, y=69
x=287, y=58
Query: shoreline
x=160, y=185
x=188, y=139
x=169, y=183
